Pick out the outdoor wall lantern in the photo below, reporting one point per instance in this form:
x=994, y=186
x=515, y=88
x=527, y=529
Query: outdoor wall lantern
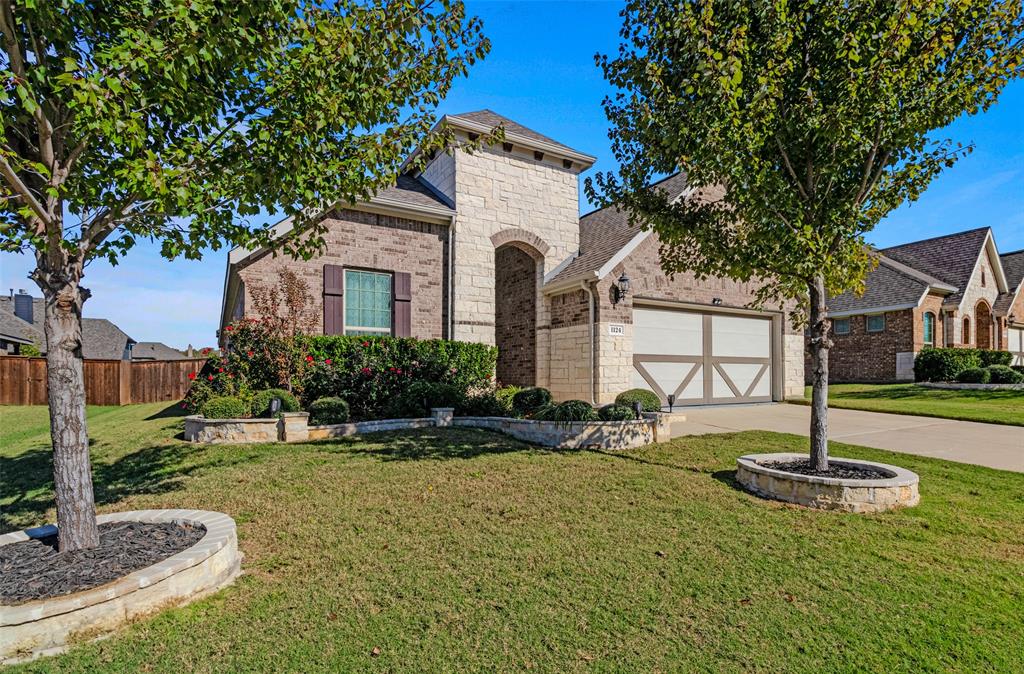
x=717, y=301
x=622, y=288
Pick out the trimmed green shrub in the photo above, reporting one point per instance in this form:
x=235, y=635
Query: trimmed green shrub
x=260, y=406
x=1004, y=374
x=372, y=372
x=505, y=394
x=616, y=412
x=529, y=400
x=328, y=411
x=485, y=404
x=944, y=364
x=649, y=400
x=416, y=401
x=992, y=357
x=1017, y=368
x=570, y=410
x=225, y=407
x=974, y=375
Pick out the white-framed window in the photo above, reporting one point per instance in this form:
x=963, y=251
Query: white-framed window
x=929, y=328
x=368, y=299
x=876, y=323
x=841, y=326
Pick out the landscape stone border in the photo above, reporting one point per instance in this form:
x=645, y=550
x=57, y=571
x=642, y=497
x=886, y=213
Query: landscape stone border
x=294, y=427
x=48, y=626
x=957, y=386
x=828, y=493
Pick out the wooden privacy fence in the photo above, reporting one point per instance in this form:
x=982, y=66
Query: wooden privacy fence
x=107, y=382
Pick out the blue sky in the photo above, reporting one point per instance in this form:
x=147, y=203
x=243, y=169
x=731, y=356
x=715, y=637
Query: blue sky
x=541, y=73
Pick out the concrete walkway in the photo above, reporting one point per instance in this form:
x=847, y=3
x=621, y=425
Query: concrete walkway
x=989, y=445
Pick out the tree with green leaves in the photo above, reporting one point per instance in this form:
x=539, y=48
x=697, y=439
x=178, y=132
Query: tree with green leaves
x=800, y=124
x=177, y=121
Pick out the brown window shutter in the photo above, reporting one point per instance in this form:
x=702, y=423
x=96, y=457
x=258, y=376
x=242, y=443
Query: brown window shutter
x=402, y=291
x=334, y=316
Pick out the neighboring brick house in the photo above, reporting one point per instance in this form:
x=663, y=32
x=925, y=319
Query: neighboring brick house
x=953, y=290
x=489, y=246
x=21, y=324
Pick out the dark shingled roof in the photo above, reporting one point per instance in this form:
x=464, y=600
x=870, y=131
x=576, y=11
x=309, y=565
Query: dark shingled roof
x=606, y=231
x=156, y=351
x=494, y=120
x=413, y=191
x=101, y=339
x=949, y=258
x=887, y=285
x=1013, y=267
x=13, y=329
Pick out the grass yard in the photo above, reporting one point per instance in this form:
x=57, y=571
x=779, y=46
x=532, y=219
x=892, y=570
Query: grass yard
x=467, y=551
x=993, y=407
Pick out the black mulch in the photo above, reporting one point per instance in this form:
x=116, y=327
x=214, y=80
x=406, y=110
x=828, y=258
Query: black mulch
x=843, y=471
x=33, y=569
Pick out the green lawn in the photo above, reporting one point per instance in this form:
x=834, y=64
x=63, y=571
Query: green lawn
x=994, y=407
x=467, y=551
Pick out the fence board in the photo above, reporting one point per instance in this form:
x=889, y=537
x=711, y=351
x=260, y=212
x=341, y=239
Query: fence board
x=107, y=382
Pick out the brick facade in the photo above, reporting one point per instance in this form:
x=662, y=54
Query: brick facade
x=375, y=242
x=515, y=316
x=863, y=356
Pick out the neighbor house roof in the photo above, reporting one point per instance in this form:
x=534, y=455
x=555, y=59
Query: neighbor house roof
x=888, y=287
x=1013, y=266
x=606, y=237
x=13, y=329
x=951, y=258
x=102, y=340
x=156, y=351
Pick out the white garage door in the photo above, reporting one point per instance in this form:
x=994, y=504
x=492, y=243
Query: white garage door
x=1017, y=345
x=702, y=358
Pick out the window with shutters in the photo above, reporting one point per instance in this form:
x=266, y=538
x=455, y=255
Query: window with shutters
x=368, y=296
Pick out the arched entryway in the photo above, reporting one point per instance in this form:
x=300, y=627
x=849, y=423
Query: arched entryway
x=515, y=313
x=983, y=325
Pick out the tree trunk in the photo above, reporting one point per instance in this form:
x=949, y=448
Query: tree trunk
x=72, y=472
x=819, y=346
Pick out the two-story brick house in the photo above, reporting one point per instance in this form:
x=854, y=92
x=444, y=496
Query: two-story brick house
x=489, y=246
x=948, y=291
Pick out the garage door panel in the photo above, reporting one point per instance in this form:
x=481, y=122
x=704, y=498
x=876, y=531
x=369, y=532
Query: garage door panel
x=673, y=333
x=741, y=337
x=702, y=357
x=1016, y=344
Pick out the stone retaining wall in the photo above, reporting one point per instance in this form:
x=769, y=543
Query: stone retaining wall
x=294, y=427
x=45, y=626
x=859, y=496
x=957, y=386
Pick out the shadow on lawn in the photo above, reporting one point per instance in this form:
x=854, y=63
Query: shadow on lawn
x=925, y=394
x=172, y=411
x=428, y=445
x=28, y=478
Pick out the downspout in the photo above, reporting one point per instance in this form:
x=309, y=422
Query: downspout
x=591, y=291
x=451, y=278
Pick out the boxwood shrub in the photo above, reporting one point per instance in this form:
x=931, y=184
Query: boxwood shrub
x=1004, y=374
x=260, y=406
x=649, y=400
x=992, y=357
x=225, y=407
x=328, y=411
x=419, y=397
x=974, y=375
x=529, y=400
x=615, y=412
x=371, y=373
x=944, y=364
x=570, y=410
x=485, y=404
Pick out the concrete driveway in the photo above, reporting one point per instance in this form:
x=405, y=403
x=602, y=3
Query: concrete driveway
x=989, y=445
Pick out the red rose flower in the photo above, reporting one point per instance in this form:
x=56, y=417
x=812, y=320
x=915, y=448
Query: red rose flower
x=210, y=377
x=191, y=375
x=249, y=353
x=229, y=328
x=309, y=359
x=366, y=344
x=220, y=369
x=327, y=361
x=366, y=370
x=398, y=371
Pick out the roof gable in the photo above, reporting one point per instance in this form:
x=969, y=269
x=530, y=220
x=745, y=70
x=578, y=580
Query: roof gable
x=951, y=258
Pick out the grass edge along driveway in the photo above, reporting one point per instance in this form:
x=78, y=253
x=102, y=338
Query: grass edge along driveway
x=456, y=550
x=992, y=407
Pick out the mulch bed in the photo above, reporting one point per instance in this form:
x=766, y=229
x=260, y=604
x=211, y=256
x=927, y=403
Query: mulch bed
x=844, y=471
x=34, y=569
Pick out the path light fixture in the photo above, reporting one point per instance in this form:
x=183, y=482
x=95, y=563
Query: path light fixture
x=671, y=401
x=275, y=407
x=622, y=288
x=637, y=409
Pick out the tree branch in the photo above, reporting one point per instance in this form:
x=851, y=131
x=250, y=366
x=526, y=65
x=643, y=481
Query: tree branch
x=789, y=168
x=11, y=176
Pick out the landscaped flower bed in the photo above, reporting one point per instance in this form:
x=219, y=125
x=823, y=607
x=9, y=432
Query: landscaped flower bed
x=960, y=368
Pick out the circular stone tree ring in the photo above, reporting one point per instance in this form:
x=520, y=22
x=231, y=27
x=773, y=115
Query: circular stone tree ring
x=897, y=490
x=46, y=626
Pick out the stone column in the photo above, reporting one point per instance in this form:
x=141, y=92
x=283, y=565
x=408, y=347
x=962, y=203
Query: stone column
x=442, y=416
